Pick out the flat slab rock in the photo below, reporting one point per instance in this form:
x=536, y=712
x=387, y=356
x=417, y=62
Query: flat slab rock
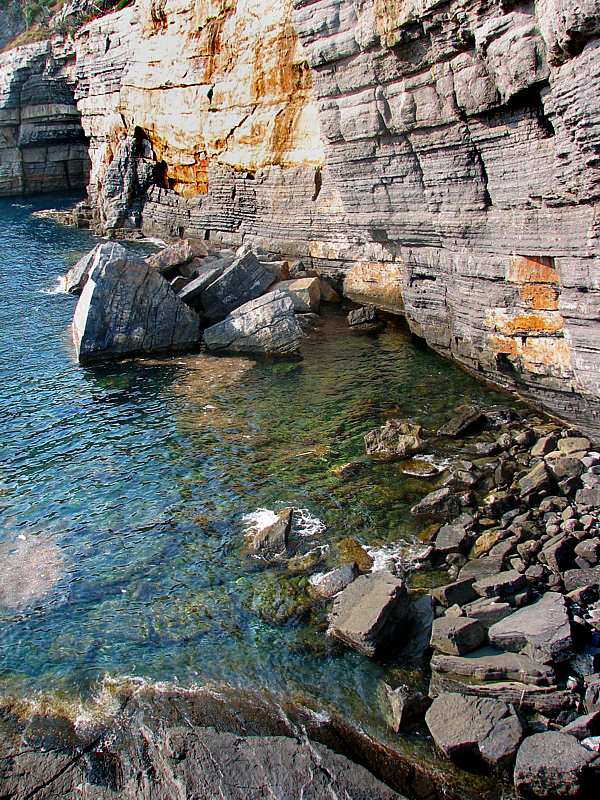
x=553, y=765
x=128, y=309
x=456, y=635
x=541, y=630
x=264, y=325
x=369, y=612
x=491, y=664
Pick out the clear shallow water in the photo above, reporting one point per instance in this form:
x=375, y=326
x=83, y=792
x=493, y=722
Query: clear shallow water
x=122, y=491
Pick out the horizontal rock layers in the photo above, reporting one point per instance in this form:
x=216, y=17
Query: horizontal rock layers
x=42, y=144
x=442, y=156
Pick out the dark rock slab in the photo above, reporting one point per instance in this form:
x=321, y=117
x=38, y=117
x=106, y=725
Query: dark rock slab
x=451, y=538
x=78, y=274
x=267, y=540
x=264, y=325
x=551, y=765
x=369, y=613
x=501, y=585
x=406, y=708
x=499, y=748
x=491, y=664
x=488, y=610
x=582, y=727
x=456, y=635
x=128, y=309
x=578, y=578
x=535, y=481
x=459, y=592
x=203, y=277
x=439, y=503
x=459, y=724
x=244, y=280
x=546, y=700
x=465, y=421
x=541, y=630
x=365, y=320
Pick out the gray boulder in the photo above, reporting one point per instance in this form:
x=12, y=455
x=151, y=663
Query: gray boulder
x=541, y=630
x=439, y=503
x=264, y=325
x=488, y=610
x=466, y=420
x=460, y=725
x=243, y=280
x=369, y=614
x=456, y=635
x=582, y=727
x=501, y=584
x=551, y=765
x=406, y=708
x=365, y=320
x=459, y=592
x=203, y=276
x=128, y=309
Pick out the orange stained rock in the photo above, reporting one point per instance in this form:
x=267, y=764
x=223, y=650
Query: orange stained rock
x=539, y=355
x=540, y=297
x=541, y=322
x=532, y=269
x=378, y=282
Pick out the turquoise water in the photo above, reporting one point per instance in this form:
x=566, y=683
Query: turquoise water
x=122, y=492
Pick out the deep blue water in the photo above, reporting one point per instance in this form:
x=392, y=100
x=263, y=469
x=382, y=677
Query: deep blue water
x=122, y=491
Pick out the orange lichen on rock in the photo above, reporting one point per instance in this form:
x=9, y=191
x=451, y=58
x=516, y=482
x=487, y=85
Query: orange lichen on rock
x=532, y=335
x=532, y=269
x=376, y=282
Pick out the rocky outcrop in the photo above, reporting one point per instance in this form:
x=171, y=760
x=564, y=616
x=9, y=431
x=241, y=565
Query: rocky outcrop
x=440, y=156
x=128, y=309
x=42, y=144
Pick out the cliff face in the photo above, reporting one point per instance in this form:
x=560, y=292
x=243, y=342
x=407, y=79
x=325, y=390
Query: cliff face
x=444, y=156
x=42, y=144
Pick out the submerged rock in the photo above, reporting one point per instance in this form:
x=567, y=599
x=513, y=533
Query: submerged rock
x=365, y=320
x=396, y=439
x=264, y=325
x=127, y=309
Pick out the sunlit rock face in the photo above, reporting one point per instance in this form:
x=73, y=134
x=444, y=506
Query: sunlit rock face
x=42, y=144
x=443, y=156
x=201, y=117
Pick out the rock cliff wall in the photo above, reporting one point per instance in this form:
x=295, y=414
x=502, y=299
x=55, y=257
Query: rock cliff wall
x=42, y=144
x=442, y=155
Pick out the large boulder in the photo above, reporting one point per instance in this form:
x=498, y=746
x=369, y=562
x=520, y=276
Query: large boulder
x=552, y=765
x=264, y=325
x=370, y=612
x=396, y=439
x=490, y=664
x=208, y=271
x=245, y=279
x=128, y=309
x=541, y=630
x=465, y=728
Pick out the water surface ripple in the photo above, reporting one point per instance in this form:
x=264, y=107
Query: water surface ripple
x=122, y=491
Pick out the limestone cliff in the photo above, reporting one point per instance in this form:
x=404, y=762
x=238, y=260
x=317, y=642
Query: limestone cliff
x=42, y=144
x=443, y=155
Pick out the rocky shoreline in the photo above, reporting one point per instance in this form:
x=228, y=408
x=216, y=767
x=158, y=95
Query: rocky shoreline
x=511, y=636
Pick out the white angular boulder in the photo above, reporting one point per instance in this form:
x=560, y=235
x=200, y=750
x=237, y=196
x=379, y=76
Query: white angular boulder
x=264, y=325
x=305, y=294
x=128, y=309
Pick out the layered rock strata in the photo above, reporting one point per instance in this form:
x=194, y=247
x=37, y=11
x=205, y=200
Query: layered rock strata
x=441, y=155
x=42, y=144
